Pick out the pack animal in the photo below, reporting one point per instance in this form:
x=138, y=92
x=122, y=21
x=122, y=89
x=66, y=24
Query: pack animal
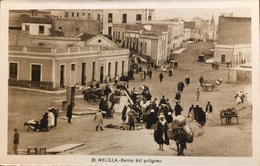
x=179, y=137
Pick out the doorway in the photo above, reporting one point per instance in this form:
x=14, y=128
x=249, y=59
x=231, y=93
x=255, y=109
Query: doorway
x=101, y=74
x=62, y=68
x=83, y=74
x=223, y=58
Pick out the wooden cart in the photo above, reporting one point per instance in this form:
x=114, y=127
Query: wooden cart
x=208, y=86
x=227, y=115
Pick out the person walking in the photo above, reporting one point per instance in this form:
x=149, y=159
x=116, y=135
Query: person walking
x=51, y=119
x=98, y=120
x=201, y=117
x=162, y=101
x=201, y=80
x=16, y=141
x=145, y=75
x=160, y=133
x=56, y=115
x=208, y=109
x=177, y=97
x=161, y=77
x=131, y=118
x=150, y=74
x=187, y=80
x=191, y=113
x=198, y=94
x=151, y=119
x=69, y=112
x=178, y=109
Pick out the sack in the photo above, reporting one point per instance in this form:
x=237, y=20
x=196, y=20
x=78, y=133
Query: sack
x=189, y=133
x=179, y=121
x=170, y=133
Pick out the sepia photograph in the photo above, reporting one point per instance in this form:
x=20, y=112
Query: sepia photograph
x=130, y=83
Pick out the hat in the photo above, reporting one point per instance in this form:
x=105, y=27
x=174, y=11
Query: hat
x=169, y=113
x=152, y=110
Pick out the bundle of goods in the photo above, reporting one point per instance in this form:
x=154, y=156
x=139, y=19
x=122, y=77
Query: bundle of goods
x=179, y=124
x=229, y=111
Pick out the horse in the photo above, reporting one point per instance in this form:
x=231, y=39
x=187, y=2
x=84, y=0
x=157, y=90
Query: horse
x=179, y=137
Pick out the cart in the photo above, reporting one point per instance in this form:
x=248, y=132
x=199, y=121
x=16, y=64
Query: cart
x=208, y=86
x=227, y=115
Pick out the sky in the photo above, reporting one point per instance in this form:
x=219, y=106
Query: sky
x=206, y=14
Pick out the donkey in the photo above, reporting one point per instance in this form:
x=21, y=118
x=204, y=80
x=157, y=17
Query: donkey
x=180, y=138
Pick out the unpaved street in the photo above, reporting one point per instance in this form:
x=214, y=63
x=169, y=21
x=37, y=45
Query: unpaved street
x=213, y=139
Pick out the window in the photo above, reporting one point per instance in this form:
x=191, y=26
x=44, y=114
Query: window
x=123, y=67
x=110, y=17
x=98, y=16
x=118, y=35
x=88, y=15
x=138, y=17
x=27, y=27
x=116, y=64
x=123, y=35
x=72, y=14
x=36, y=73
x=124, y=18
x=83, y=14
x=77, y=14
x=93, y=70
x=13, y=67
x=109, y=68
x=66, y=15
x=145, y=47
x=72, y=67
x=60, y=28
x=110, y=31
x=41, y=29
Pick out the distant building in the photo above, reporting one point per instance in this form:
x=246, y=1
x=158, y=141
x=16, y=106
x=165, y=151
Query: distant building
x=201, y=29
x=175, y=28
x=74, y=27
x=234, y=40
x=213, y=30
x=124, y=16
x=147, y=40
x=15, y=22
x=81, y=14
x=49, y=25
x=37, y=25
x=53, y=66
x=189, y=30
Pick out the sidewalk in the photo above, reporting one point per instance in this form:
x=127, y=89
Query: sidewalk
x=38, y=90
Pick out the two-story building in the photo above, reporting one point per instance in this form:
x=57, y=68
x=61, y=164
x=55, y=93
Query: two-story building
x=124, y=16
x=234, y=40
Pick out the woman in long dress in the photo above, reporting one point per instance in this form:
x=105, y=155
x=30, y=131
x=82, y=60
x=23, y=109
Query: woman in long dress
x=160, y=134
x=51, y=119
